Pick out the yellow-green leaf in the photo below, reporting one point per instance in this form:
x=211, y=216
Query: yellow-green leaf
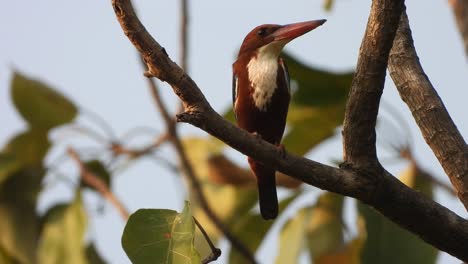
x=62, y=238
x=39, y=104
x=292, y=237
x=325, y=229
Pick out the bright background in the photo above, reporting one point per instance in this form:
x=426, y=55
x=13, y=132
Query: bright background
x=79, y=48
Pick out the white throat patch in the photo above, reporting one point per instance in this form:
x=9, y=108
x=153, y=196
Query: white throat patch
x=262, y=71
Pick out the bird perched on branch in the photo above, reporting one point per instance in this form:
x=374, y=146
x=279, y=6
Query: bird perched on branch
x=261, y=96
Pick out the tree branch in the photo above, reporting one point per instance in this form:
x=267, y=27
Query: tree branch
x=368, y=82
x=429, y=220
x=428, y=110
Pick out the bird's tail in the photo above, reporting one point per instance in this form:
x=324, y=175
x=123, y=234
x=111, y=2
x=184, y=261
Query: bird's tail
x=266, y=183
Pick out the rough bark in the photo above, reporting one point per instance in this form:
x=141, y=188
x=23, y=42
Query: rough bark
x=436, y=125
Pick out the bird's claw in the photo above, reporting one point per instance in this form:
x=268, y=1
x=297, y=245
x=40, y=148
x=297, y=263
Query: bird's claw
x=282, y=151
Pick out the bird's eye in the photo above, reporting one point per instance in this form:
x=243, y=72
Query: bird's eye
x=262, y=32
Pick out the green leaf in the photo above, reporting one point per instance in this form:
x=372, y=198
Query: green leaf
x=93, y=256
x=317, y=106
x=27, y=149
x=292, y=237
x=160, y=236
x=96, y=167
x=39, y=104
x=19, y=224
x=387, y=242
x=251, y=229
x=62, y=238
x=183, y=233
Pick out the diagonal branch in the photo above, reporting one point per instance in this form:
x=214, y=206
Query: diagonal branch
x=428, y=110
x=92, y=180
x=429, y=220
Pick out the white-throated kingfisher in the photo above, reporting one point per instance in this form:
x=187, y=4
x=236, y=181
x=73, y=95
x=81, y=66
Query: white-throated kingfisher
x=261, y=96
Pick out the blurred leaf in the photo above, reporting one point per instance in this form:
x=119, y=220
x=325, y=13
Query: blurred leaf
x=251, y=229
x=27, y=149
x=221, y=170
x=93, y=256
x=328, y=4
x=39, y=104
x=317, y=88
x=160, y=236
x=325, y=229
x=292, y=237
x=385, y=238
x=19, y=224
x=317, y=105
x=62, y=238
x=227, y=201
x=8, y=165
x=99, y=170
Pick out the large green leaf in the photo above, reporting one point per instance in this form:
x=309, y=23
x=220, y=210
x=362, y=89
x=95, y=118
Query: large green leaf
x=62, y=238
x=387, y=242
x=39, y=104
x=19, y=224
x=251, y=229
x=317, y=105
x=160, y=236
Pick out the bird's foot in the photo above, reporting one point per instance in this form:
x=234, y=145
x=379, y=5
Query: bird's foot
x=257, y=136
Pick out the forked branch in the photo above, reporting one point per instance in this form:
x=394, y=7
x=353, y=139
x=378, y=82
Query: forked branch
x=429, y=220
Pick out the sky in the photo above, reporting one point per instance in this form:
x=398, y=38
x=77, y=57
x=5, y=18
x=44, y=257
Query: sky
x=79, y=48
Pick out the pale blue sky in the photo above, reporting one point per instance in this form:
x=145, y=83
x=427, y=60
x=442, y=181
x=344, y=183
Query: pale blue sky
x=78, y=47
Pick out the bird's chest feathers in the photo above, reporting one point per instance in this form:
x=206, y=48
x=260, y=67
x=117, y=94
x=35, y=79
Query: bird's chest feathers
x=262, y=71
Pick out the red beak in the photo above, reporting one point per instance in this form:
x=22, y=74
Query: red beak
x=292, y=31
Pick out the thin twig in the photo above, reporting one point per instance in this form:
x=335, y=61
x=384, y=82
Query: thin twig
x=94, y=181
x=119, y=149
x=215, y=252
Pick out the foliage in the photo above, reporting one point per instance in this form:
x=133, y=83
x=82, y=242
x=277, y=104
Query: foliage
x=28, y=237
x=166, y=236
